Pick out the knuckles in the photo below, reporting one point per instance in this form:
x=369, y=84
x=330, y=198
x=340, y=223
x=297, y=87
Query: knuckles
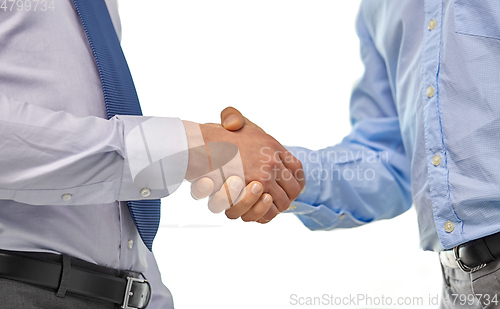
x=295, y=166
x=294, y=193
x=282, y=203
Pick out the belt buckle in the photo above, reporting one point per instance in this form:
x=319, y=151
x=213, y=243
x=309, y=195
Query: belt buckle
x=129, y=293
x=461, y=264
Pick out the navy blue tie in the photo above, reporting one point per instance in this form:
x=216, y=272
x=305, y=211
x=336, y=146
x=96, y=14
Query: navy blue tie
x=119, y=94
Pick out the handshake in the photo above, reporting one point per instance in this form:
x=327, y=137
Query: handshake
x=243, y=170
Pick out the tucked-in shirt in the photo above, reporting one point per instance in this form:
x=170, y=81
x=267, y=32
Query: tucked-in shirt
x=425, y=125
x=64, y=168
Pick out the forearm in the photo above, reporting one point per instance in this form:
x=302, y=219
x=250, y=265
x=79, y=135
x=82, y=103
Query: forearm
x=46, y=155
x=356, y=181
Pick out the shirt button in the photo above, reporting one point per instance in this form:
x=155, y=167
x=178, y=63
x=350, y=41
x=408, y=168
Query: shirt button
x=66, y=197
x=145, y=192
x=292, y=207
x=448, y=226
x=130, y=244
x=432, y=24
x=342, y=216
x=436, y=160
x=430, y=92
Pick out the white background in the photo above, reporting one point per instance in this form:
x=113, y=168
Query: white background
x=289, y=66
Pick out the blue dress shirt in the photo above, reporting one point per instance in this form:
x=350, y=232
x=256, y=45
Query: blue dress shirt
x=426, y=125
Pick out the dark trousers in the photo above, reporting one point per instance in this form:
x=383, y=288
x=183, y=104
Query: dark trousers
x=477, y=290
x=17, y=295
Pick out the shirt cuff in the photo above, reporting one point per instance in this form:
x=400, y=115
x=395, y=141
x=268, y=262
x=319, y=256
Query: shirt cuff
x=311, y=165
x=323, y=218
x=156, y=157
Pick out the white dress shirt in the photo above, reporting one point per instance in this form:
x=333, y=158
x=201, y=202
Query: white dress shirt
x=63, y=166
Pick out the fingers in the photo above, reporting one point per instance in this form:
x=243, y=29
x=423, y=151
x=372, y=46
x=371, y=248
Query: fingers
x=280, y=198
x=291, y=181
x=232, y=119
x=294, y=166
x=259, y=209
x=288, y=183
x=202, y=188
x=271, y=214
x=223, y=199
x=245, y=202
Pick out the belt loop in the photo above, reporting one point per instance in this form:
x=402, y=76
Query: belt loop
x=65, y=276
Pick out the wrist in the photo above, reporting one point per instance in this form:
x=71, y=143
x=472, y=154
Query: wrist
x=198, y=135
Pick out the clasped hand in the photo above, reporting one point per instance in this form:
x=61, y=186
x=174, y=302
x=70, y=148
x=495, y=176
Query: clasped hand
x=245, y=171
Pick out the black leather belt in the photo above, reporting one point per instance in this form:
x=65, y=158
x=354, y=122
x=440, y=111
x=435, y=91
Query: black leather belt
x=129, y=292
x=475, y=254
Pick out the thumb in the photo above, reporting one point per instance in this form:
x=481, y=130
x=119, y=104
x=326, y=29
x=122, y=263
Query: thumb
x=232, y=119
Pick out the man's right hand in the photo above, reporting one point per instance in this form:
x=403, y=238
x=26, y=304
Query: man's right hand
x=268, y=168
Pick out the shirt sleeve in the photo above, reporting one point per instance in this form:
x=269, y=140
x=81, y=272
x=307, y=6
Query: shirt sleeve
x=367, y=176
x=55, y=158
